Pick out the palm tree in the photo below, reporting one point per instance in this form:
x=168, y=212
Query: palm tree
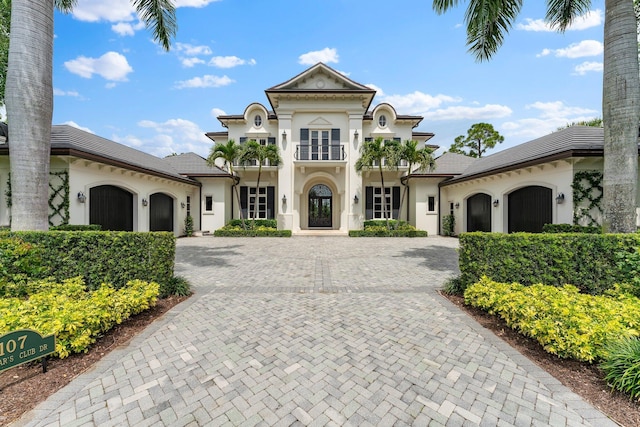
x=373, y=154
x=230, y=153
x=487, y=22
x=254, y=151
x=29, y=98
x=421, y=158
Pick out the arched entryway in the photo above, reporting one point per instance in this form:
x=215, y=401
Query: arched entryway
x=320, y=206
x=111, y=207
x=530, y=208
x=479, y=213
x=160, y=212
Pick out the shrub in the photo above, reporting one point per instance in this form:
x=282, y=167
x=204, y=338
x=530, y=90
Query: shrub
x=103, y=256
x=564, y=321
x=75, y=316
x=19, y=260
x=261, y=228
x=76, y=227
x=448, y=225
x=177, y=285
x=622, y=366
x=570, y=228
x=378, y=228
x=453, y=286
x=188, y=226
x=270, y=223
x=585, y=260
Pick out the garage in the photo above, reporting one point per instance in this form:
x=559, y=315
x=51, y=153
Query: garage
x=160, y=212
x=111, y=207
x=530, y=208
x=479, y=213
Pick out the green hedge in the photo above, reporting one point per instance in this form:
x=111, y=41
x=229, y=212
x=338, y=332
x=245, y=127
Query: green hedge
x=383, y=232
x=570, y=228
x=270, y=223
x=223, y=232
x=76, y=227
x=587, y=261
x=103, y=256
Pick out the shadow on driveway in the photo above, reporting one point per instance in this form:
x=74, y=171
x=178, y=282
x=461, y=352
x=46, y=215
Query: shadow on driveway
x=439, y=258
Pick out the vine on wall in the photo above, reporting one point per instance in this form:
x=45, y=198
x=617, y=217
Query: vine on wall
x=587, y=197
x=58, y=197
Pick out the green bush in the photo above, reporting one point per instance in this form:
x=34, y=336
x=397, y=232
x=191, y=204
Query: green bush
x=177, y=285
x=188, y=226
x=103, y=256
x=448, y=225
x=570, y=228
x=378, y=228
x=76, y=227
x=233, y=232
x=75, y=316
x=564, y=321
x=19, y=260
x=588, y=261
x=269, y=223
x=622, y=366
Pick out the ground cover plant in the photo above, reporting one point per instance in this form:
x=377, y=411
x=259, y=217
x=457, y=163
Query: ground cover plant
x=395, y=228
x=254, y=228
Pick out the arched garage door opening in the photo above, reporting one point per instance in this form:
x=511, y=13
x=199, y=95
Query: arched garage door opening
x=529, y=209
x=160, y=212
x=479, y=213
x=111, y=207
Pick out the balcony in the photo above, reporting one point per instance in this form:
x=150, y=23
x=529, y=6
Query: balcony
x=330, y=152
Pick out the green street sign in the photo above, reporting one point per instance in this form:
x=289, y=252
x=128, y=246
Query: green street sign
x=23, y=346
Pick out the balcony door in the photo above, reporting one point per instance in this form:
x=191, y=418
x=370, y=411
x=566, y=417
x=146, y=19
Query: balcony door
x=320, y=206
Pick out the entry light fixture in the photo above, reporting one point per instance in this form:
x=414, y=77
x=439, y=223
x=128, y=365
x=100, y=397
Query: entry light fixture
x=145, y=202
x=284, y=199
x=496, y=203
x=355, y=199
x=457, y=205
x=355, y=134
x=81, y=197
x=182, y=205
x=560, y=198
x=284, y=134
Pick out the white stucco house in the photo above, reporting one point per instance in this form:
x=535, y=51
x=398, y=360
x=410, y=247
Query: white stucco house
x=319, y=119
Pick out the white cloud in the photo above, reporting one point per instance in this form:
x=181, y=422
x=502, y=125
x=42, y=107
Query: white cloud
x=60, y=92
x=193, y=3
x=326, y=55
x=77, y=126
x=111, y=66
x=191, y=50
x=127, y=29
x=229, y=61
x=379, y=91
x=588, y=66
x=550, y=116
x=204, y=81
x=591, y=19
x=104, y=10
x=215, y=112
x=485, y=112
x=417, y=102
x=576, y=50
x=190, y=136
x=190, y=62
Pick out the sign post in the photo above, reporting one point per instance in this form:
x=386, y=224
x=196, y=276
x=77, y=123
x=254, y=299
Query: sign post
x=23, y=346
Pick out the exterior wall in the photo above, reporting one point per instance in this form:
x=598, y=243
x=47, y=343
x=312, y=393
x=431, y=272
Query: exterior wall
x=220, y=190
x=557, y=176
x=84, y=175
x=420, y=216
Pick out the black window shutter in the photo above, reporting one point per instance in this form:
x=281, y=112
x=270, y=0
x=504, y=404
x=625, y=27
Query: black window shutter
x=335, y=136
x=368, y=203
x=243, y=139
x=304, y=136
x=271, y=192
x=368, y=139
x=271, y=140
x=244, y=199
x=395, y=213
x=397, y=139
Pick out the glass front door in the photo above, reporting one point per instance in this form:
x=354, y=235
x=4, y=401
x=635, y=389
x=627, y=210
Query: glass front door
x=320, y=206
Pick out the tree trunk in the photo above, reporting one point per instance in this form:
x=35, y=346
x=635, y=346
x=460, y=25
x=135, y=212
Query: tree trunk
x=621, y=115
x=29, y=100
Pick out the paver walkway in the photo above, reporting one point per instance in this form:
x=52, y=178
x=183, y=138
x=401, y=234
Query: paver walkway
x=316, y=331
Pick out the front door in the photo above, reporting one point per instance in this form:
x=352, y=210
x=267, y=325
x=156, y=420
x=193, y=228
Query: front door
x=320, y=206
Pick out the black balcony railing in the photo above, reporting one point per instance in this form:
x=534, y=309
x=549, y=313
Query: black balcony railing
x=320, y=152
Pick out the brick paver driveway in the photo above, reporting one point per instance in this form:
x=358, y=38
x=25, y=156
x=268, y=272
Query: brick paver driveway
x=316, y=331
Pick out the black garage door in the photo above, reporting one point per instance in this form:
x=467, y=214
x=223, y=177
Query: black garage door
x=160, y=212
x=479, y=212
x=530, y=209
x=111, y=207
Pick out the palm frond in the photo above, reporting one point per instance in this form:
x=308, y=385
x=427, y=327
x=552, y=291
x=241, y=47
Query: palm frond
x=160, y=17
x=562, y=13
x=487, y=23
x=441, y=6
x=65, y=6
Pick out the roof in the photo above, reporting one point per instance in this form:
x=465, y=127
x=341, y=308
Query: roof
x=568, y=142
x=451, y=164
x=193, y=165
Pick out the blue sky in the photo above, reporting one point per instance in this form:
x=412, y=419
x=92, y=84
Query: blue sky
x=111, y=79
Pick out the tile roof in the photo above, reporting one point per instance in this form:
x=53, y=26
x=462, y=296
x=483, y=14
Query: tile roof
x=192, y=164
x=451, y=164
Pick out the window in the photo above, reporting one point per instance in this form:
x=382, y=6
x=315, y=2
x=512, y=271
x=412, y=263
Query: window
x=208, y=204
x=319, y=145
x=375, y=208
x=257, y=120
x=382, y=121
x=189, y=205
x=259, y=204
x=431, y=204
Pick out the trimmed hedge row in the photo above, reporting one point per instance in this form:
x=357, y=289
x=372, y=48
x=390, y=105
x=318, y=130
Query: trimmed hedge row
x=271, y=223
x=102, y=257
x=570, y=228
x=234, y=232
x=383, y=232
x=588, y=261
x=76, y=227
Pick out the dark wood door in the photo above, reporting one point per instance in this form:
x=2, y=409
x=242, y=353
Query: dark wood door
x=160, y=212
x=530, y=208
x=479, y=213
x=111, y=207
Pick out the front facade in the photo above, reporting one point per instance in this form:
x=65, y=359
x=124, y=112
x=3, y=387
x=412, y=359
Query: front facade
x=319, y=120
